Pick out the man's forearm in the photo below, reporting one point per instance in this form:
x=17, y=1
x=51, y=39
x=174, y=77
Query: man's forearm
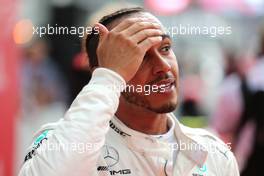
x=85, y=124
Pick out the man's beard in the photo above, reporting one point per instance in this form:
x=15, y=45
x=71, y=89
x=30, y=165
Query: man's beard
x=142, y=102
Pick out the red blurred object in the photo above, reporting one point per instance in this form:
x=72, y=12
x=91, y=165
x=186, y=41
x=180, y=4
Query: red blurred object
x=8, y=86
x=167, y=7
x=80, y=61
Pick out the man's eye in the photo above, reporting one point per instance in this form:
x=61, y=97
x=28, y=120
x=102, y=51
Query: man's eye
x=166, y=48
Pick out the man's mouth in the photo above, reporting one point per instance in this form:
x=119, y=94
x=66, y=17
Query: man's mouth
x=166, y=85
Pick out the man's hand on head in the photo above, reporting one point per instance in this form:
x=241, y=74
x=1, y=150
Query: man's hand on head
x=122, y=49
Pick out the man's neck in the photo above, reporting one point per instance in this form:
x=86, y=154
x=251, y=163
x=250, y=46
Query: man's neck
x=141, y=119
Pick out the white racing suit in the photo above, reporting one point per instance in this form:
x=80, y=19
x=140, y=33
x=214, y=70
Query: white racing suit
x=90, y=141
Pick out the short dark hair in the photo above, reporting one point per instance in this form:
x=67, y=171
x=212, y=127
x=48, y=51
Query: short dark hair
x=91, y=41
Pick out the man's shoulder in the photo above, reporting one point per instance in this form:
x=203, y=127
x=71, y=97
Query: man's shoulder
x=46, y=128
x=201, y=133
x=40, y=137
x=214, y=145
x=219, y=158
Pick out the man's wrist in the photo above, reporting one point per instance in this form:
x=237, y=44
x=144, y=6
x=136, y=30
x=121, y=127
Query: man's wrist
x=108, y=78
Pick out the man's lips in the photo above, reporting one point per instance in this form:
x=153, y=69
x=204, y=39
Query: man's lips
x=166, y=85
x=166, y=82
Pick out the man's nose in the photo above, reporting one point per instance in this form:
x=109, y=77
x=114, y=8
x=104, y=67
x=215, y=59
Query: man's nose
x=161, y=65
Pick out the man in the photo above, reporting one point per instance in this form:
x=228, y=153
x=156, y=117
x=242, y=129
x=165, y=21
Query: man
x=144, y=138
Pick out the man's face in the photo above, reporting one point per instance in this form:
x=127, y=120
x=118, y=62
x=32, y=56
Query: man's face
x=156, y=82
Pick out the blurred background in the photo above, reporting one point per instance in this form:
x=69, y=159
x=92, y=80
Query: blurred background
x=222, y=76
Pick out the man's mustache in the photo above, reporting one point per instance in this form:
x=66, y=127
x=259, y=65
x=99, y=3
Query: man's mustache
x=160, y=78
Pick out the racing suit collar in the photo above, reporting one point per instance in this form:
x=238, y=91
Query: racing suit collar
x=149, y=145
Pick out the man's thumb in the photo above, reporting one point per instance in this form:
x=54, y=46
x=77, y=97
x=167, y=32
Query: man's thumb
x=102, y=30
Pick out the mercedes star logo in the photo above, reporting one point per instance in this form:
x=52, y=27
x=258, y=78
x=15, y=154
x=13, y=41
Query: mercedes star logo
x=111, y=156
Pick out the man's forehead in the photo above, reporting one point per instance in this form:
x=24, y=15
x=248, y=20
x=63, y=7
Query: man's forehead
x=148, y=17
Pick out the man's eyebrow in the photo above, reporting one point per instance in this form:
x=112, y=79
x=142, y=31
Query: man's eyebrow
x=164, y=36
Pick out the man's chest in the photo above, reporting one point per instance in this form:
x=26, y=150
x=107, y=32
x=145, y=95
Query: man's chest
x=116, y=161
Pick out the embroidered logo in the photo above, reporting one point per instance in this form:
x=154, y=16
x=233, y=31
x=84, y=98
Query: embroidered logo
x=200, y=171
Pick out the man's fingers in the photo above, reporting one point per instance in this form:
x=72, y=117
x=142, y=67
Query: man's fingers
x=136, y=27
x=126, y=23
x=142, y=35
x=103, y=31
x=146, y=44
